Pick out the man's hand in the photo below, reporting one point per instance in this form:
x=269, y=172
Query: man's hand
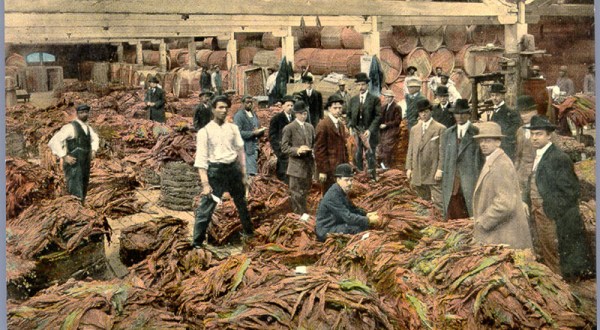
x=206, y=189
x=438, y=175
x=382, y=126
x=259, y=131
x=373, y=218
x=69, y=159
x=302, y=149
x=408, y=174
x=322, y=177
x=366, y=134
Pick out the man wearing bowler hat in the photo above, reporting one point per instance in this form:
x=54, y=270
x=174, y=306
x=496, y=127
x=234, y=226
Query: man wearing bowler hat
x=76, y=144
x=559, y=237
x=389, y=129
x=441, y=111
x=297, y=143
x=508, y=119
x=412, y=98
x=276, y=125
x=498, y=210
x=564, y=82
x=336, y=214
x=313, y=99
x=203, y=113
x=365, y=117
x=155, y=101
x=461, y=164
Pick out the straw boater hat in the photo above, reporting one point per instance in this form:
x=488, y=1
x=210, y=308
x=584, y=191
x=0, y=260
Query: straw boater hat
x=388, y=93
x=341, y=82
x=541, y=122
x=489, y=129
x=460, y=106
x=413, y=83
x=535, y=67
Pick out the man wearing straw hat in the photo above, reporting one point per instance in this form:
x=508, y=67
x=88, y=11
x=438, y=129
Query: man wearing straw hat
x=559, y=238
x=499, y=212
x=203, y=113
x=412, y=98
x=155, y=101
x=564, y=82
x=365, y=117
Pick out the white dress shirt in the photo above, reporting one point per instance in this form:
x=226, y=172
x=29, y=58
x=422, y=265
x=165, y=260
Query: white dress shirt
x=363, y=96
x=539, y=153
x=426, y=125
x=217, y=144
x=335, y=121
x=58, y=143
x=462, y=129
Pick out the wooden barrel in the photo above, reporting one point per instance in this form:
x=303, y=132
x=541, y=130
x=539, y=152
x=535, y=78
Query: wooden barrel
x=536, y=88
x=404, y=39
x=130, y=56
x=181, y=84
x=195, y=80
x=302, y=58
x=455, y=37
x=36, y=78
x=100, y=72
x=246, y=55
x=267, y=58
x=443, y=58
x=351, y=39
x=419, y=58
x=270, y=42
x=492, y=64
x=308, y=37
x=219, y=58
x=168, y=81
x=249, y=40
x=344, y=61
x=151, y=57
x=384, y=38
x=214, y=44
x=471, y=63
x=431, y=37
x=202, y=57
x=462, y=83
x=483, y=34
x=391, y=64
x=15, y=59
x=179, y=57
x=331, y=37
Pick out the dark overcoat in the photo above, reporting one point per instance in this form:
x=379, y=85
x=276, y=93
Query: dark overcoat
x=336, y=214
x=157, y=111
x=412, y=113
x=509, y=121
x=202, y=116
x=315, y=106
x=330, y=146
x=443, y=115
x=276, y=125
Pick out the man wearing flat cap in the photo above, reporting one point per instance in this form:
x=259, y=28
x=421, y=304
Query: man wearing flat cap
x=330, y=144
x=155, y=101
x=344, y=95
x=297, y=144
x=365, y=117
x=276, y=125
x=508, y=119
x=564, y=82
x=499, y=212
x=336, y=213
x=461, y=164
x=313, y=99
x=559, y=238
x=389, y=130
x=76, y=144
x=203, y=112
x=423, y=159
x=441, y=111
x=247, y=121
x=412, y=97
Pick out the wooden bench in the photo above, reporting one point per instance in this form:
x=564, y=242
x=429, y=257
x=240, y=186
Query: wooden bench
x=22, y=94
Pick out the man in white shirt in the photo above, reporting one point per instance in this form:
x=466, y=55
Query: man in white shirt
x=435, y=81
x=221, y=163
x=76, y=144
x=270, y=85
x=453, y=93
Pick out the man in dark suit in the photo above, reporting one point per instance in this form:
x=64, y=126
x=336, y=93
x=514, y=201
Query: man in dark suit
x=412, y=98
x=205, y=79
x=297, y=143
x=344, y=95
x=508, y=119
x=278, y=122
x=365, y=117
x=203, y=112
x=441, y=111
x=336, y=214
x=461, y=164
x=314, y=100
x=559, y=237
x=389, y=129
x=155, y=101
x=330, y=144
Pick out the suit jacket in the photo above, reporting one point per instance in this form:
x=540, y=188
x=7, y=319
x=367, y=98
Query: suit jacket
x=509, y=121
x=466, y=159
x=424, y=153
x=276, y=125
x=202, y=116
x=315, y=106
x=558, y=186
x=205, y=81
x=157, y=111
x=346, y=97
x=371, y=114
x=246, y=126
x=443, y=116
x=497, y=205
x=391, y=117
x=300, y=166
x=412, y=114
x=330, y=146
x=335, y=211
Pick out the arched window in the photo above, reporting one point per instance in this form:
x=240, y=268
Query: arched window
x=40, y=57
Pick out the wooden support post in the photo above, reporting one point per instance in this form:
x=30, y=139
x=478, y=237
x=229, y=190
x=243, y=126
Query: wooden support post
x=120, y=52
x=512, y=36
x=287, y=43
x=162, y=50
x=371, y=39
x=192, y=55
x=139, y=56
x=231, y=52
x=474, y=99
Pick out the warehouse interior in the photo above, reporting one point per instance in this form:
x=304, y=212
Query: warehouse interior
x=124, y=261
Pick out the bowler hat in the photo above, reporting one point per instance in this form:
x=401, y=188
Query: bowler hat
x=497, y=88
x=334, y=99
x=288, y=98
x=307, y=79
x=423, y=105
x=343, y=171
x=541, y=123
x=412, y=67
x=388, y=93
x=441, y=91
x=300, y=106
x=83, y=107
x=413, y=83
x=362, y=77
x=489, y=129
x=460, y=106
x=206, y=92
x=525, y=103
x=153, y=80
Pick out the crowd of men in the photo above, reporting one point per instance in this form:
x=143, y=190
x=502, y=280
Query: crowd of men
x=504, y=172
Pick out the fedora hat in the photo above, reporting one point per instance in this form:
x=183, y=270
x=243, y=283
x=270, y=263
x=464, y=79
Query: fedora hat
x=441, y=91
x=460, y=106
x=423, y=105
x=489, y=129
x=300, y=106
x=343, y=171
x=334, y=99
x=497, y=88
x=362, y=77
x=541, y=123
x=525, y=103
x=388, y=93
x=413, y=83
